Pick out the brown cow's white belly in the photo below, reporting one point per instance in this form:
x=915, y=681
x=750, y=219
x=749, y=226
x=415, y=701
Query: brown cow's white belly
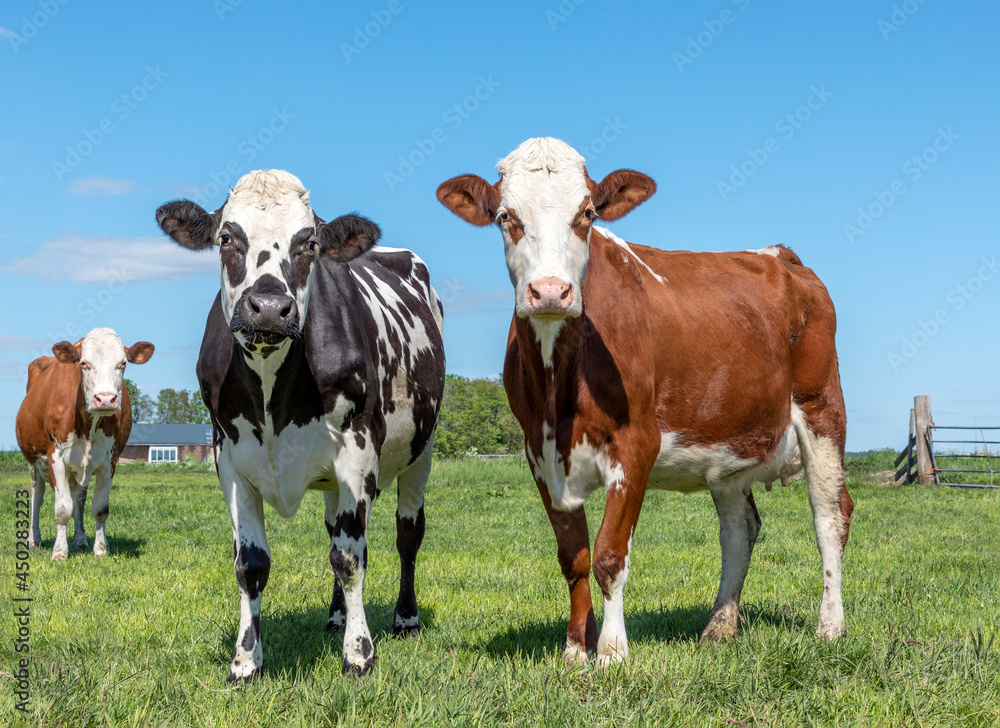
x=684, y=469
x=694, y=468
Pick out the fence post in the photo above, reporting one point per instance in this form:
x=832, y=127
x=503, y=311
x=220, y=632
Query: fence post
x=922, y=408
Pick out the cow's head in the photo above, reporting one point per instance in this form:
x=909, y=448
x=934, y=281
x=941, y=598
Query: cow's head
x=545, y=203
x=102, y=358
x=268, y=238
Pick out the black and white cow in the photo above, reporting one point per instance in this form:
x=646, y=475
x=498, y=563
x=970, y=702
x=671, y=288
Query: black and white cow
x=322, y=365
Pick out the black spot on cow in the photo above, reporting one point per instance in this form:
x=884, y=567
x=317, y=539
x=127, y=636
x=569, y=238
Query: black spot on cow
x=253, y=566
x=234, y=254
x=365, y=647
x=277, y=247
x=338, y=608
x=359, y=440
x=350, y=524
x=103, y=513
x=263, y=257
x=371, y=486
x=249, y=639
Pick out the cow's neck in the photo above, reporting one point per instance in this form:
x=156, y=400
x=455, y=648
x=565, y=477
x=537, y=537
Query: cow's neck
x=266, y=367
x=550, y=351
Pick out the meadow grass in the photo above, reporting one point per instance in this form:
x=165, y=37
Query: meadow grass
x=144, y=637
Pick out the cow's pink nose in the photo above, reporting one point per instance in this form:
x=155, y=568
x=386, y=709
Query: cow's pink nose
x=550, y=295
x=105, y=400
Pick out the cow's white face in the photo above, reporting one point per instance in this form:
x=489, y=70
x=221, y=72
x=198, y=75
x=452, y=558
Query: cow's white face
x=102, y=359
x=545, y=214
x=268, y=238
x=545, y=204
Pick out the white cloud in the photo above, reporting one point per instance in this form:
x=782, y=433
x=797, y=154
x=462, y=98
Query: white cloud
x=105, y=259
x=23, y=343
x=102, y=186
x=458, y=302
x=4, y=33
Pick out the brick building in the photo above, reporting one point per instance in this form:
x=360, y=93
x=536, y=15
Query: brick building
x=167, y=443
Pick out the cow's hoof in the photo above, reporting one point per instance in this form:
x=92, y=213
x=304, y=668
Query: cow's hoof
x=361, y=670
x=34, y=543
x=408, y=629
x=81, y=543
x=575, y=654
x=59, y=556
x=333, y=626
x=716, y=633
x=830, y=631
x=606, y=662
x=237, y=679
x=100, y=549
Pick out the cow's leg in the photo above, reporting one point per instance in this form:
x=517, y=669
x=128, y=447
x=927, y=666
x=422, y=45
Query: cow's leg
x=573, y=548
x=739, y=524
x=252, y=563
x=37, y=494
x=832, y=507
x=612, y=550
x=410, y=487
x=61, y=477
x=357, y=474
x=338, y=612
x=99, y=507
x=79, y=494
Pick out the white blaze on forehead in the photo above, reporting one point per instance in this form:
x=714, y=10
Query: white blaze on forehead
x=544, y=182
x=103, y=352
x=270, y=206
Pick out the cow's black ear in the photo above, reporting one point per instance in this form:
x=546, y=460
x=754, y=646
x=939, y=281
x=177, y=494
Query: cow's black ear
x=347, y=237
x=187, y=224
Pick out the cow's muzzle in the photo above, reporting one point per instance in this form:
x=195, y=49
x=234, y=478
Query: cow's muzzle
x=267, y=318
x=105, y=402
x=549, y=297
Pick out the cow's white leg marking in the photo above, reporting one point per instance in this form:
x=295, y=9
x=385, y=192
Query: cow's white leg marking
x=252, y=563
x=37, y=493
x=612, y=645
x=99, y=507
x=739, y=525
x=61, y=477
x=410, y=526
x=356, y=469
x=825, y=476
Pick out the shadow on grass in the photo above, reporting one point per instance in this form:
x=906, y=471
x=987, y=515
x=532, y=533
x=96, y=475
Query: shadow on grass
x=648, y=626
x=296, y=641
x=123, y=548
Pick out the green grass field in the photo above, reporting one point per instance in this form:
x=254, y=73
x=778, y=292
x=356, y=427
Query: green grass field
x=144, y=637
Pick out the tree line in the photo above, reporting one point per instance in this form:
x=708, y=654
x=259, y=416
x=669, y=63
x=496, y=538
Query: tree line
x=475, y=416
x=171, y=406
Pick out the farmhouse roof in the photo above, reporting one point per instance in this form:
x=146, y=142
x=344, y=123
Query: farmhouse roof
x=145, y=433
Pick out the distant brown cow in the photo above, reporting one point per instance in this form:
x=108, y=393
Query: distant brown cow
x=632, y=368
x=73, y=424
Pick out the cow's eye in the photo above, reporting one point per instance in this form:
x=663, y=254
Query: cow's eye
x=84, y=365
x=225, y=240
x=503, y=216
x=588, y=213
x=122, y=365
x=313, y=246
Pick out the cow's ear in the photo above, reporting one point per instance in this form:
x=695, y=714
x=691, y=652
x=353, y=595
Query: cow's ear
x=188, y=224
x=620, y=192
x=347, y=237
x=471, y=198
x=139, y=352
x=66, y=352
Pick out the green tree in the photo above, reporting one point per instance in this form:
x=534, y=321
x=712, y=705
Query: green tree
x=475, y=415
x=143, y=407
x=181, y=407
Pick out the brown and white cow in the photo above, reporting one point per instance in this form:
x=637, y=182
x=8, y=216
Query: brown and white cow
x=72, y=425
x=630, y=368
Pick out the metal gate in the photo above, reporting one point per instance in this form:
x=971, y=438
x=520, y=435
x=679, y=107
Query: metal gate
x=990, y=459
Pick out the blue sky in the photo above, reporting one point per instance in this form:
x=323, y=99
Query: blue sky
x=861, y=134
